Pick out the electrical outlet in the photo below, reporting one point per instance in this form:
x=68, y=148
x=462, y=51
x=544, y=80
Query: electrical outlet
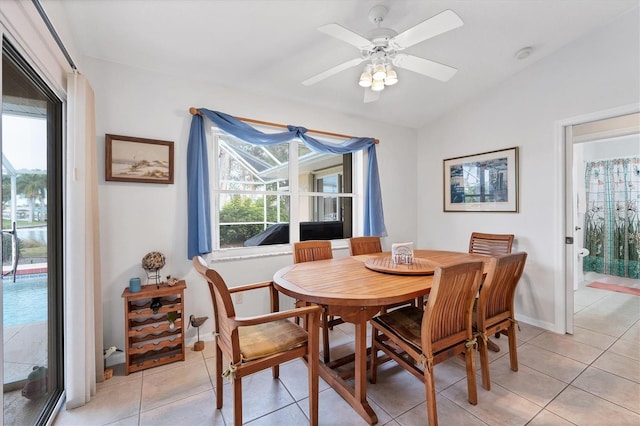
x=238, y=298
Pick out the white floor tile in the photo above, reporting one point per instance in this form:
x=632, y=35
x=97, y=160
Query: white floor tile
x=590, y=377
x=583, y=408
x=610, y=387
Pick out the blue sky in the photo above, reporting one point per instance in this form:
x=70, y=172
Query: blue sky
x=24, y=141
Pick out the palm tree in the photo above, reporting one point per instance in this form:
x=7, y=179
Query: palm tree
x=34, y=188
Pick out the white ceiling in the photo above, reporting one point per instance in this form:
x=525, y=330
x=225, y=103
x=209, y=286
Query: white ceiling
x=270, y=46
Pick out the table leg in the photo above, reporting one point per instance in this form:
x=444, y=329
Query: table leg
x=361, y=372
x=356, y=396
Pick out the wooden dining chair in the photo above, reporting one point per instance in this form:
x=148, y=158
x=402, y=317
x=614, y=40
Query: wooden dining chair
x=364, y=245
x=255, y=343
x=494, y=312
x=490, y=244
x=309, y=251
x=417, y=340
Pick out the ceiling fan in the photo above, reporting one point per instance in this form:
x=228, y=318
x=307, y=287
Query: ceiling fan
x=381, y=49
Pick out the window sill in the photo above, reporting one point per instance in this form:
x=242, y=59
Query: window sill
x=235, y=254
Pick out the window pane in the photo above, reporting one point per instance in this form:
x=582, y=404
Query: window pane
x=320, y=172
x=325, y=217
x=247, y=167
x=329, y=216
x=252, y=220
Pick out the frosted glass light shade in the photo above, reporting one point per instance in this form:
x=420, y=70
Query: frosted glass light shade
x=377, y=85
x=379, y=72
x=392, y=78
x=365, y=79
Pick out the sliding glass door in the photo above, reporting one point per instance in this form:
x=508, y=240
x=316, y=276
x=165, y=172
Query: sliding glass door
x=31, y=291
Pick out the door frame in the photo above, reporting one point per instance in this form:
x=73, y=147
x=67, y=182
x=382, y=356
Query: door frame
x=55, y=261
x=568, y=252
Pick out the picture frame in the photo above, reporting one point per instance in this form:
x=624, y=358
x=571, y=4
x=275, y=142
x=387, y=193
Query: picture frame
x=486, y=182
x=131, y=159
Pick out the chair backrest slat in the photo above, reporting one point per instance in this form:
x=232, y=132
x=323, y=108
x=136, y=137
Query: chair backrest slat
x=497, y=295
x=490, y=244
x=364, y=245
x=308, y=251
x=448, y=314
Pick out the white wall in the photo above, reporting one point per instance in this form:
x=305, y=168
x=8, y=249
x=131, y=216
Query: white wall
x=596, y=73
x=138, y=218
x=607, y=149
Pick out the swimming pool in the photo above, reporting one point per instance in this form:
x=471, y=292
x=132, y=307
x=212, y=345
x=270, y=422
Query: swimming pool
x=24, y=301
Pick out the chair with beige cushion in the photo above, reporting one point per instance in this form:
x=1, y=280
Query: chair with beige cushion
x=309, y=251
x=252, y=344
x=417, y=340
x=494, y=311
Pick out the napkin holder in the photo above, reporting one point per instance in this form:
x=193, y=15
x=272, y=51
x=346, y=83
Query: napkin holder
x=402, y=253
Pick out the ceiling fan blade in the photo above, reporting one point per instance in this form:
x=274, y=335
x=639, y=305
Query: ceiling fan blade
x=370, y=96
x=424, y=66
x=332, y=71
x=346, y=35
x=436, y=25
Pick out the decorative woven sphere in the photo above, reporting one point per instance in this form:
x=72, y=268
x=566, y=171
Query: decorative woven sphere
x=153, y=261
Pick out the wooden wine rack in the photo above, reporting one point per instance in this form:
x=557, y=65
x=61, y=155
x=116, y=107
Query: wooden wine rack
x=150, y=339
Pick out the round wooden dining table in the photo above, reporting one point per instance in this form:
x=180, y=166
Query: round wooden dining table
x=356, y=288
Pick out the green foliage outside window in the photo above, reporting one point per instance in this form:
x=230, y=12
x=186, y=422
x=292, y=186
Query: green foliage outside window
x=245, y=209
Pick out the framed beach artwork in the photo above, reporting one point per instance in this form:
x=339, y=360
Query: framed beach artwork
x=131, y=159
x=486, y=182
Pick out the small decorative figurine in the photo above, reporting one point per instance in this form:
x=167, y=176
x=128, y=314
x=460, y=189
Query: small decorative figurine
x=197, y=322
x=171, y=281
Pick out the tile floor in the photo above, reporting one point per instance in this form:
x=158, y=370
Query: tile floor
x=589, y=378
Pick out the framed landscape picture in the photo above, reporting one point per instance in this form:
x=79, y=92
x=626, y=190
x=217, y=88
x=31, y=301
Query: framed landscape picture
x=131, y=159
x=486, y=182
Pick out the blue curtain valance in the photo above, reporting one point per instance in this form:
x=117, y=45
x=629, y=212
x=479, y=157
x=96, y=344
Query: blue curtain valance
x=198, y=201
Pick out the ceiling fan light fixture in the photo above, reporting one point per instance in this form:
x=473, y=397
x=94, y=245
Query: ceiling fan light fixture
x=377, y=85
x=381, y=50
x=379, y=72
x=392, y=77
x=365, y=79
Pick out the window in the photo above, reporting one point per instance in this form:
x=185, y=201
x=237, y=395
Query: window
x=272, y=195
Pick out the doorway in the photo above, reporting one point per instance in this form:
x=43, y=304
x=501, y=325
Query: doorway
x=31, y=292
x=603, y=141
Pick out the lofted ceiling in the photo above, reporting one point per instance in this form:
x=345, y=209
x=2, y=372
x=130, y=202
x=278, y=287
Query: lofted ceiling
x=269, y=47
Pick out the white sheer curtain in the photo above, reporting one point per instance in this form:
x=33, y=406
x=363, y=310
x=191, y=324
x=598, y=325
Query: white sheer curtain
x=83, y=301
